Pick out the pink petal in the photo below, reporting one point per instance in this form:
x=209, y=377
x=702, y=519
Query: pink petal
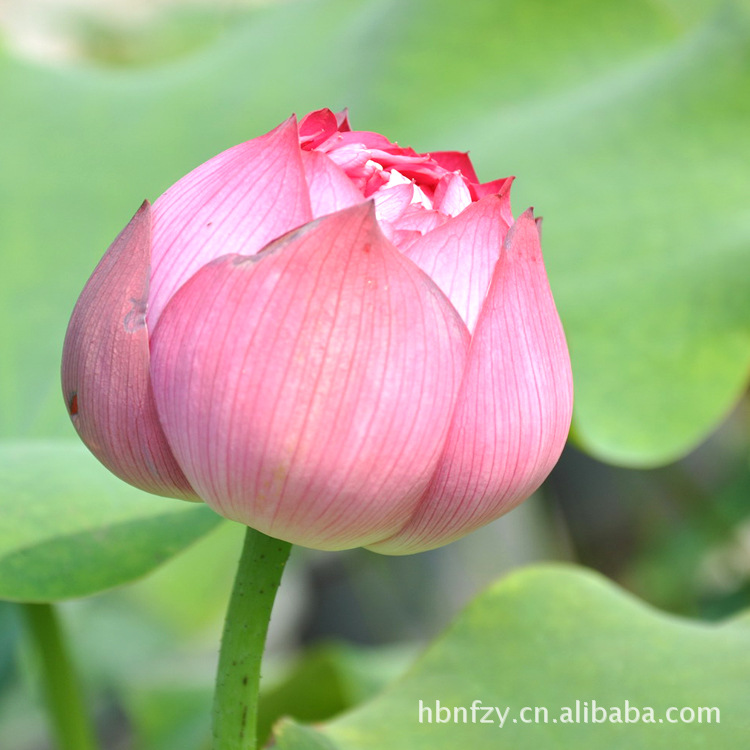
x=365, y=138
x=514, y=408
x=236, y=202
x=414, y=166
x=307, y=391
x=402, y=215
x=330, y=189
x=105, y=368
x=496, y=187
x=391, y=202
x=370, y=183
x=411, y=225
x=342, y=120
x=460, y=256
x=401, y=238
x=451, y=195
x=453, y=161
x=355, y=162
x=421, y=219
x=316, y=127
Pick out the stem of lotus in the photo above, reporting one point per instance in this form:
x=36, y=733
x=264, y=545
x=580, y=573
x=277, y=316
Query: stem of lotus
x=62, y=693
x=259, y=573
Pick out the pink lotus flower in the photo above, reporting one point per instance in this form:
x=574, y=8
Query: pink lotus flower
x=327, y=337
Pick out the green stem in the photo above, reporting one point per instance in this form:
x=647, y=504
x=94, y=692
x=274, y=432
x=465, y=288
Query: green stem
x=60, y=683
x=238, y=679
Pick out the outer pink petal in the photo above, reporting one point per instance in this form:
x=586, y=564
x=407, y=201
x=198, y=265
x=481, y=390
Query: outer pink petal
x=236, y=202
x=460, y=256
x=329, y=187
x=495, y=187
x=105, y=368
x=307, y=391
x=514, y=408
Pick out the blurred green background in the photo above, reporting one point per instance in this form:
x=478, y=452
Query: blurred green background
x=628, y=127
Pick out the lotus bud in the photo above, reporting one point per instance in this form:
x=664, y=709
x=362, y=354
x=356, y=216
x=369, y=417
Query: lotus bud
x=328, y=337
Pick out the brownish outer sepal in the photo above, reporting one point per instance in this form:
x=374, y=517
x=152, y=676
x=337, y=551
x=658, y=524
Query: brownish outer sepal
x=105, y=368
